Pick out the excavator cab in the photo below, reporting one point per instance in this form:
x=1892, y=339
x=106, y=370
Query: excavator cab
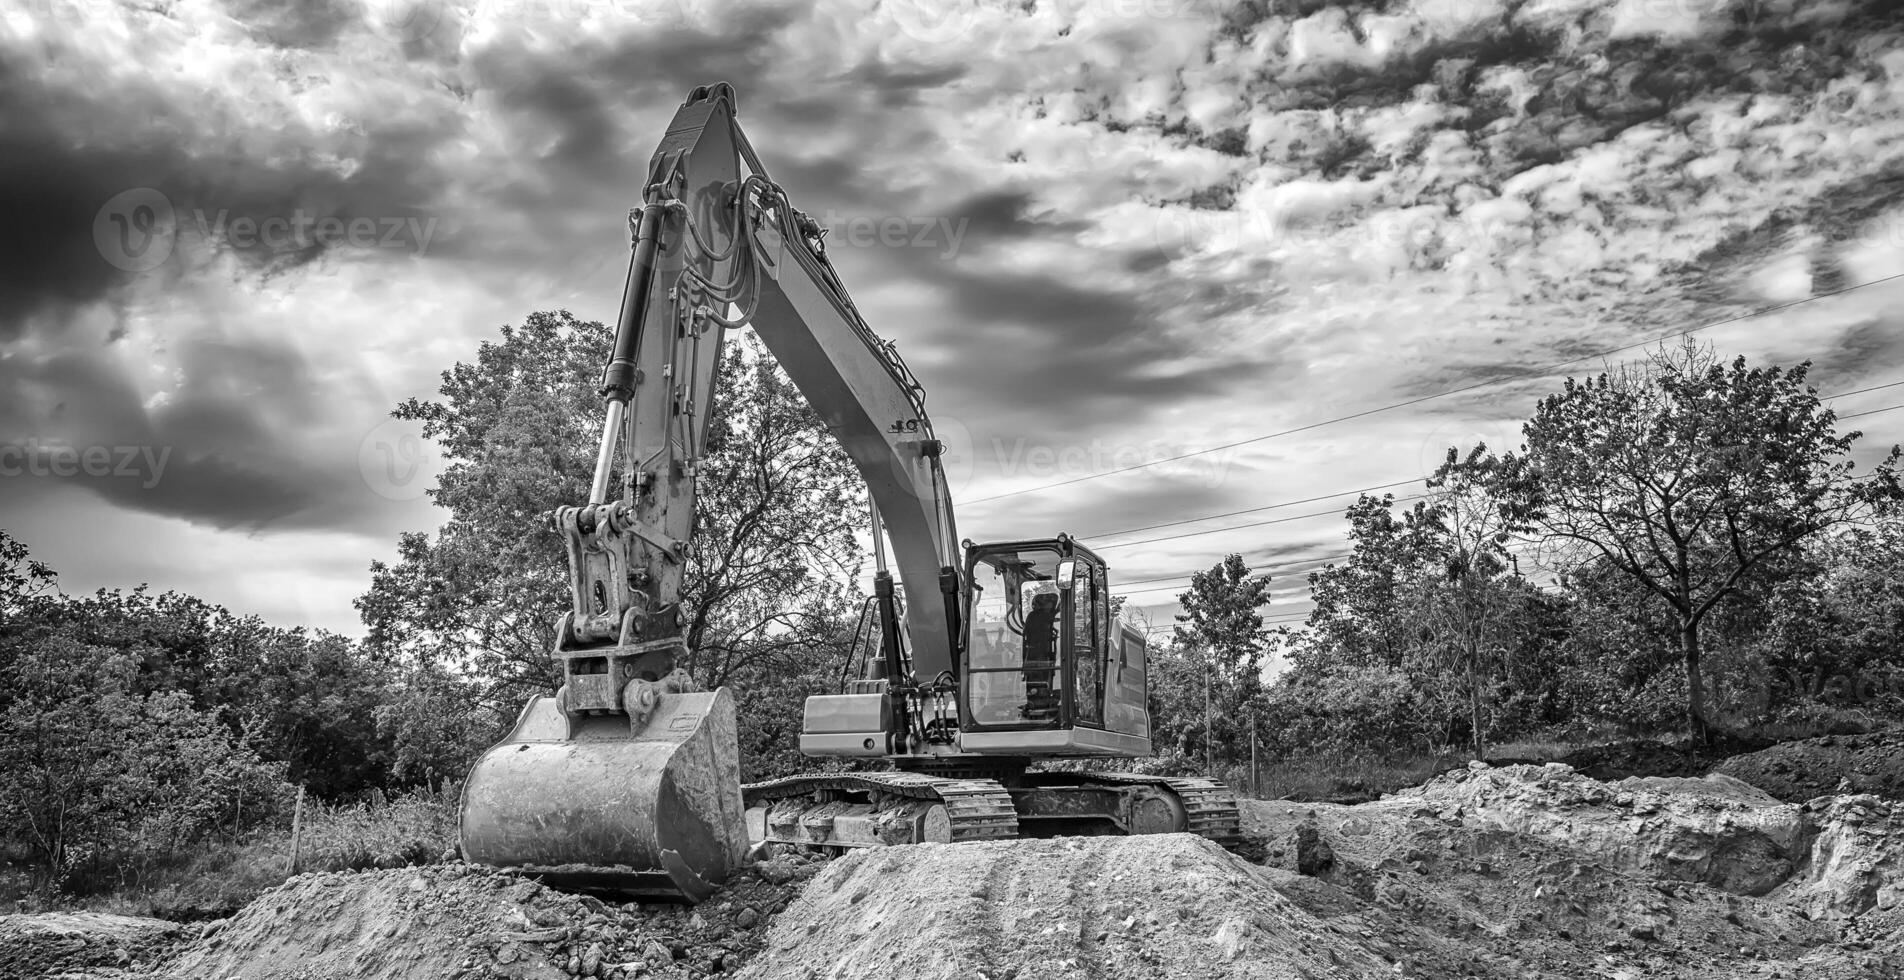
x=1047, y=669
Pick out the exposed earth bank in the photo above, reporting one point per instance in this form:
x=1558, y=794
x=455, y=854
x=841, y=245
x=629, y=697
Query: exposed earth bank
x=1516, y=871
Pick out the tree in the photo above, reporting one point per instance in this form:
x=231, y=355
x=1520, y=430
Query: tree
x=96, y=777
x=21, y=578
x=1472, y=604
x=1686, y=475
x=1221, y=632
x=1360, y=617
x=769, y=568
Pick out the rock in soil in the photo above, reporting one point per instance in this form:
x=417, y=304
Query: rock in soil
x=33, y=946
x=1524, y=871
x=471, y=923
x=1799, y=771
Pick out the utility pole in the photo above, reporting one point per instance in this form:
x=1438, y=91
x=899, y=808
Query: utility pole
x=1255, y=789
x=1209, y=734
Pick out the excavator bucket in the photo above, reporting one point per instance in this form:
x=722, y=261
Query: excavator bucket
x=586, y=804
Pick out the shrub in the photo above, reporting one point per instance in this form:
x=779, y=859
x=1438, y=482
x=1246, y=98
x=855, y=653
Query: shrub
x=98, y=782
x=416, y=828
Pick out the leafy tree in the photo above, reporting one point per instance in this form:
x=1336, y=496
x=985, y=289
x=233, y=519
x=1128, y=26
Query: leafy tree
x=1471, y=606
x=309, y=701
x=1686, y=476
x=1360, y=618
x=1216, y=659
x=97, y=778
x=21, y=578
x=769, y=568
x=435, y=724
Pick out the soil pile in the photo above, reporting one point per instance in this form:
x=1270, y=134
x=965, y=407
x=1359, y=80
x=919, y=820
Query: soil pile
x=1672, y=877
x=1800, y=771
x=1170, y=905
x=1832, y=856
x=33, y=946
x=459, y=921
x=1526, y=871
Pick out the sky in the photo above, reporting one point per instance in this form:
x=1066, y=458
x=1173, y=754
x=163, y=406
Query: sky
x=1268, y=237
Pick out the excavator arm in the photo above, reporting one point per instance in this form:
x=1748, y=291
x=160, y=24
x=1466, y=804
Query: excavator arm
x=628, y=777
x=719, y=247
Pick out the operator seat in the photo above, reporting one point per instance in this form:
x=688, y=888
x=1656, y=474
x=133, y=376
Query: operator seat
x=1041, y=658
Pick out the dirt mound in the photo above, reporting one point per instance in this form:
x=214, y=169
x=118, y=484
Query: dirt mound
x=33, y=946
x=1798, y=771
x=1170, y=905
x=464, y=922
x=1836, y=856
x=1721, y=837
x=1646, y=757
x=1556, y=908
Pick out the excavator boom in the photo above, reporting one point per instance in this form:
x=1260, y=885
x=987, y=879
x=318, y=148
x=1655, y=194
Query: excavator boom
x=627, y=779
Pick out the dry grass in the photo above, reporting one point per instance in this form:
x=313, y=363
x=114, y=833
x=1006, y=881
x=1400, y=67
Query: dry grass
x=220, y=876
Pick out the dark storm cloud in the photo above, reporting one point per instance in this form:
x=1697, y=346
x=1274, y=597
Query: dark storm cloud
x=224, y=452
x=1074, y=354
x=68, y=157
x=239, y=434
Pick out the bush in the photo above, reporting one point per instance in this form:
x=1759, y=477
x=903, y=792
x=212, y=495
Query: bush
x=1357, y=712
x=416, y=828
x=97, y=782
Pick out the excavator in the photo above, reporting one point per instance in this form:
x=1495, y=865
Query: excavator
x=972, y=669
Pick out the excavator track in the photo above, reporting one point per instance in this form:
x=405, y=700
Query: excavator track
x=982, y=809
x=1209, y=806
x=978, y=809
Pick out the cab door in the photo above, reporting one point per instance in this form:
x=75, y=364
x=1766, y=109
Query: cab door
x=1086, y=608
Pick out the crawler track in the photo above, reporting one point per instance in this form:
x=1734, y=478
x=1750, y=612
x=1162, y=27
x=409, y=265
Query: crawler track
x=980, y=809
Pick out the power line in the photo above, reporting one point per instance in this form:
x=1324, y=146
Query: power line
x=1252, y=510
x=1185, y=576
x=1238, y=527
x=1859, y=415
x=1860, y=391
x=1443, y=394
x=1384, y=486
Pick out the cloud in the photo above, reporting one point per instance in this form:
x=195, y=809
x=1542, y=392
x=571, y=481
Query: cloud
x=1160, y=227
